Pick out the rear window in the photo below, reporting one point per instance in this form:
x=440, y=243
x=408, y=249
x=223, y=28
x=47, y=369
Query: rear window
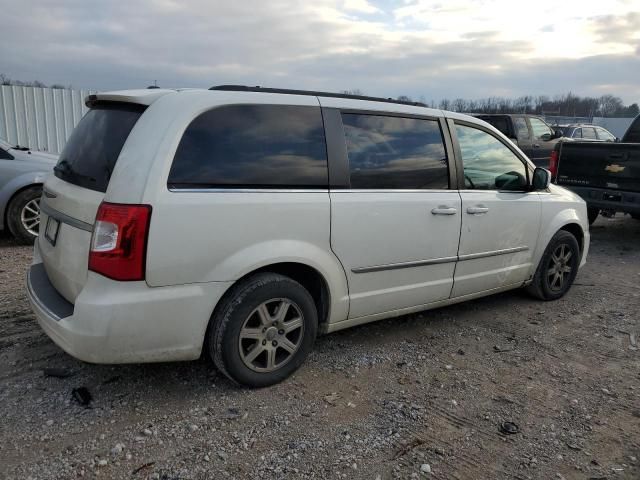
x=93, y=148
x=266, y=146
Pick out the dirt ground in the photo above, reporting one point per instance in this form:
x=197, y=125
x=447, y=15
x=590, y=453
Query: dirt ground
x=422, y=396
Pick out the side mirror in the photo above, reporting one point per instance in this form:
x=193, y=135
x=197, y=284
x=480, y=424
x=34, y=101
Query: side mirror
x=546, y=137
x=541, y=178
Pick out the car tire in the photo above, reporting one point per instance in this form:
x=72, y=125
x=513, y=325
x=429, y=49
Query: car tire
x=557, y=268
x=262, y=330
x=592, y=214
x=23, y=215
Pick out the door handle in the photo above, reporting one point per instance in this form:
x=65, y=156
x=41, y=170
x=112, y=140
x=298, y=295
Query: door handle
x=479, y=210
x=444, y=210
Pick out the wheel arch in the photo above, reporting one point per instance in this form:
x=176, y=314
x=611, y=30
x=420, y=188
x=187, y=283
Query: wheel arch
x=309, y=277
x=576, y=230
x=568, y=219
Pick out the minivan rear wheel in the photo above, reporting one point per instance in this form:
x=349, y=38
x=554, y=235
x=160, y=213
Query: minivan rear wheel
x=557, y=268
x=262, y=330
x=23, y=215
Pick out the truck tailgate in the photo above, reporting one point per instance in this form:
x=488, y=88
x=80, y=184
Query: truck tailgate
x=614, y=166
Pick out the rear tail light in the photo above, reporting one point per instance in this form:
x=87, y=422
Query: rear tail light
x=553, y=163
x=119, y=241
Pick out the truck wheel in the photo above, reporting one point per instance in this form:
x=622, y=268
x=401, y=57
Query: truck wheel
x=262, y=330
x=592, y=214
x=23, y=215
x=557, y=268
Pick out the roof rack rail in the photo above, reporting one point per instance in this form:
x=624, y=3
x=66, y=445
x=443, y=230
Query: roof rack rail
x=245, y=88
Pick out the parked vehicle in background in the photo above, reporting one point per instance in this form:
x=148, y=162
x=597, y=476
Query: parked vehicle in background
x=586, y=132
x=531, y=133
x=605, y=175
x=242, y=221
x=22, y=173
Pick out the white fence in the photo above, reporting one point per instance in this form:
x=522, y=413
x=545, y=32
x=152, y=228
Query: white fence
x=40, y=118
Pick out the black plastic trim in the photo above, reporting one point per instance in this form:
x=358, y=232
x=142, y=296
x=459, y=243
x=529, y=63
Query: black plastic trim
x=452, y=163
x=44, y=294
x=338, y=160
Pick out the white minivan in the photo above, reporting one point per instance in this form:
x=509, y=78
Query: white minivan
x=243, y=221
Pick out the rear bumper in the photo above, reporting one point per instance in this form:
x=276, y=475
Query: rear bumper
x=125, y=322
x=603, y=198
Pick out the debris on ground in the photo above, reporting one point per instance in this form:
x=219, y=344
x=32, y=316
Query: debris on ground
x=82, y=396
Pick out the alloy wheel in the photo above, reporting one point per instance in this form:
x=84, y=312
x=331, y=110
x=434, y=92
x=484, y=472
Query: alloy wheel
x=30, y=216
x=271, y=335
x=559, y=267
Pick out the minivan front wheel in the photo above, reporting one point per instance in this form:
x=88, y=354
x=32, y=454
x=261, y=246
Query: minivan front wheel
x=262, y=330
x=557, y=268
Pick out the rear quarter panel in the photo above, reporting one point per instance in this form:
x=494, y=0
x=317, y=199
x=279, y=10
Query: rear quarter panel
x=220, y=235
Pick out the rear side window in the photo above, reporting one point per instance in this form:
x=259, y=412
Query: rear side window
x=93, y=148
x=395, y=153
x=501, y=123
x=588, y=132
x=267, y=146
x=522, y=131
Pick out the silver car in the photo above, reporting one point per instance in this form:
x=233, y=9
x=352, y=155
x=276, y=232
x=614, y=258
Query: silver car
x=22, y=173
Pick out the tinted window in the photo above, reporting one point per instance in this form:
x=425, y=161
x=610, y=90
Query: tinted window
x=577, y=133
x=539, y=128
x=521, y=128
x=488, y=163
x=93, y=148
x=589, y=133
x=253, y=145
x=4, y=155
x=395, y=153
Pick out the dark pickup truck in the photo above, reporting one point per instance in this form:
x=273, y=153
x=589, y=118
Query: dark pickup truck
x=532, y=134
x=605, y=175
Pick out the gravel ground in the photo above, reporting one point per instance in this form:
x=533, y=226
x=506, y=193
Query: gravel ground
x=422, y=396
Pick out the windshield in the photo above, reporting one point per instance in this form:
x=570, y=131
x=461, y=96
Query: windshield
x=93, y=148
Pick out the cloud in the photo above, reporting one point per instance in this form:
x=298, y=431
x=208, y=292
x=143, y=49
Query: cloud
x=421, y=48
x=361, y=6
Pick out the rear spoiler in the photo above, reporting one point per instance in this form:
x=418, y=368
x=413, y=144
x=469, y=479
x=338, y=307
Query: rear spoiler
x=141, y=97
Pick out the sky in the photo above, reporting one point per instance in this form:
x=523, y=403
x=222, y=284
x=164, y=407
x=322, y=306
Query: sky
x=420, y=48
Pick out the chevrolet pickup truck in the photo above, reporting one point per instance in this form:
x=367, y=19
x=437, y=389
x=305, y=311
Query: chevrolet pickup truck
x=605, y=175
